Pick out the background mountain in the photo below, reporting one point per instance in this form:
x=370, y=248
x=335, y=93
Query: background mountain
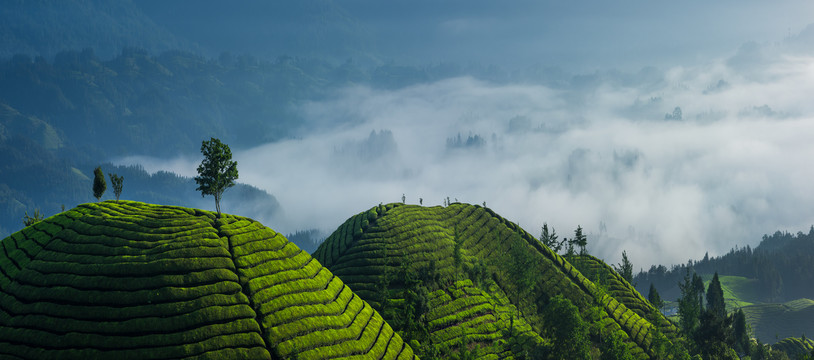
x=770, y=283
x=47, y=27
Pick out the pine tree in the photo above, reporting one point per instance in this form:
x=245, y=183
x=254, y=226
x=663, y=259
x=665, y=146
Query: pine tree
x=625, y=269
x=580, y=240
x=550, y=239
x=654, y=297
x=688, y=306
x=740, y=334
x=715, y=297
x=99, y=185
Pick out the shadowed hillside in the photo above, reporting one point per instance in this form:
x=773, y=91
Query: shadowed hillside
x=405, y=241
x=130, y=280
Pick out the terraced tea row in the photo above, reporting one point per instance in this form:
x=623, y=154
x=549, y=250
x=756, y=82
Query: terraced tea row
x=464, y=313
x=378, y=241
x=603, y=276
x=136, y=281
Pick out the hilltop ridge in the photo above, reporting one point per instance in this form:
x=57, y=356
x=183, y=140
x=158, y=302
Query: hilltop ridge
x=135, y=281
x=389, y=237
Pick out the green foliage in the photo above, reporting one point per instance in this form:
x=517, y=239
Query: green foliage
x=457, y=253
x=550, y=239
x=715, y=297
x=99, y=184
x=580, y=240
x=35, y=218
x=795, y=348
x=217, y=171
x=654, y=297
x=739, y=333
x=613, y=348
x=689, y=307
x=713, y=335
x=520, y=270
x=567, y=330
x=117, y=182
x=625, y=268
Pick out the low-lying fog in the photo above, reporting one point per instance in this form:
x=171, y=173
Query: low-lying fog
x=665, y=164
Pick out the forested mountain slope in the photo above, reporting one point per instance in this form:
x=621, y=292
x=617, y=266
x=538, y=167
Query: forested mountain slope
x=130, y=280
x=414, y=249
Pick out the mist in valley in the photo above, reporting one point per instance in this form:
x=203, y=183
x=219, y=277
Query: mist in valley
x=665, y=130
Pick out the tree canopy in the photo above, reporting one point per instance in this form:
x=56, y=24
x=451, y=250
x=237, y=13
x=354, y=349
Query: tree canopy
x=99, y=185
x=217, y=172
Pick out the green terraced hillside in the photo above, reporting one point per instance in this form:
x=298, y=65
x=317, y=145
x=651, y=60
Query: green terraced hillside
x=738, y=291
x=794, y=347
x=772, y=322
x=617, y=287
x=129, y=280
x=390, y=238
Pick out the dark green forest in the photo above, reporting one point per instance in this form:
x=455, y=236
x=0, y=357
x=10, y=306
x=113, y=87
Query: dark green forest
x=780, y=263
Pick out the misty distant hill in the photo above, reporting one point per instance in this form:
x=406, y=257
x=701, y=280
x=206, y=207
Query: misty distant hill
x=46, y=27
x=268, y=29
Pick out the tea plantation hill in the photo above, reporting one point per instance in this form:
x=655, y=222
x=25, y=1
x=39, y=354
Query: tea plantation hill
x=129, y=280
x=794, y=347
x=490, y=307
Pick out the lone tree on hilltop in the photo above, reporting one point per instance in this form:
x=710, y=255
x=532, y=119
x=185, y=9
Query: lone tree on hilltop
x=117, y=182
x=580, y=240
x=217, y=171
x=99, y=184
x=625, y=269
x=31, y=220
x=549, y=239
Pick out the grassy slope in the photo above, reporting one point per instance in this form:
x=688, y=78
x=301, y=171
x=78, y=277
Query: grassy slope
x=795, y=347
x=738, y=291
x=136, y=281
x=416, y=235
x=609, y=280
x=769, y=321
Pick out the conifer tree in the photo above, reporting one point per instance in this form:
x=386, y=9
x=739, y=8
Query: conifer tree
x=742, y=342
x=715, y=297
x=654, y=297
x=550, y=239
x=99, y=185
x=580, y=240
x=688, y=306
x=625, y=269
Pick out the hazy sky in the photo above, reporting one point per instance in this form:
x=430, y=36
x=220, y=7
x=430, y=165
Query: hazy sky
x=736, y=166
x=582, y=35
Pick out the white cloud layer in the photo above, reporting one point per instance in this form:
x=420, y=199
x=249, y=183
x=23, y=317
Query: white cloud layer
x=738, y=164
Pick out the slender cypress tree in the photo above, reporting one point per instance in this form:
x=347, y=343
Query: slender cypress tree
x=99, y=184
x=715, y=297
